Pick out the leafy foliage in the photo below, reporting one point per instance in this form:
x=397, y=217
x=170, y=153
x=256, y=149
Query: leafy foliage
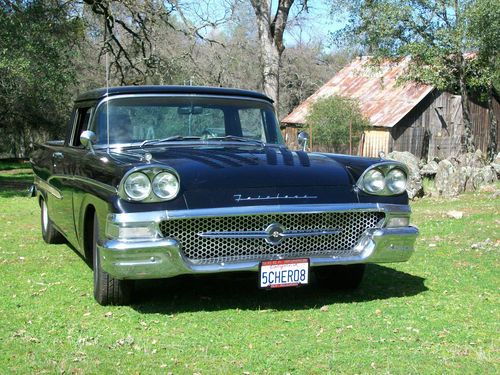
x=484, y=33
x=454, y=45
x=333, y=119
x=36, y=42
x=448, y=40
x=50, y=51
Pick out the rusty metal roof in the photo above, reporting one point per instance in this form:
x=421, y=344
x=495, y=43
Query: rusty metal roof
x=383, y=99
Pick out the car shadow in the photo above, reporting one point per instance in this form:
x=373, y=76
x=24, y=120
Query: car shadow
x=240, y=291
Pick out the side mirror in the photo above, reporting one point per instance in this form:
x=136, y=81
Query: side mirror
x=87, y=139
x=302, y=140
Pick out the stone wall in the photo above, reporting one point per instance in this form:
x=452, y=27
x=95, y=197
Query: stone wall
x=451, y=176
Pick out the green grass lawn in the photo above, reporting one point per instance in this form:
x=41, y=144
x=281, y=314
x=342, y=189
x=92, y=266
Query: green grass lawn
x=438, y=313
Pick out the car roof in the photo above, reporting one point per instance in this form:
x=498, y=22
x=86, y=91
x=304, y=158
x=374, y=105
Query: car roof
x=197, y=90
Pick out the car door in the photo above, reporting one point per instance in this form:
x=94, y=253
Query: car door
x=64, y=162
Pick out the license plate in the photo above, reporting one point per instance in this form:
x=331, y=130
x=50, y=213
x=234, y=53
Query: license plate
x=284, y=273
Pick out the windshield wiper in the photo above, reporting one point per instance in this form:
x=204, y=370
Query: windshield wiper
x=170, y=139
x=235, y=138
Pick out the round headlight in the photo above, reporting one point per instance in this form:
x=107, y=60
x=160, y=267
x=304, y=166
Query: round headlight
x=165, y=185
x=374, y=181
x=396, y=181
x=137, y=186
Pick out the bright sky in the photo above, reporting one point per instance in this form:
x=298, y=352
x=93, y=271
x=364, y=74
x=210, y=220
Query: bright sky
x=314, y=25
x=317, y=25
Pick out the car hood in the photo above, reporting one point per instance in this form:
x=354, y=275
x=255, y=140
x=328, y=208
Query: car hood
x=214, y=176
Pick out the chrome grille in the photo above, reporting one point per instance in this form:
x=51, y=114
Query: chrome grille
x=212, y=250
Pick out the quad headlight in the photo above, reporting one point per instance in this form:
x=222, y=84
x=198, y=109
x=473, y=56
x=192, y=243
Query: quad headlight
x=396, y=181
x=152, y=184
x=137, y=186
x=383, y=179
x=165, y=185
x=374, y=181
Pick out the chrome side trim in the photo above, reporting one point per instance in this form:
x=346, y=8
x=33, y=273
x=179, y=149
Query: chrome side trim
x=101, y=185
x=156, y=216
x=47, y=187
x=86, y=180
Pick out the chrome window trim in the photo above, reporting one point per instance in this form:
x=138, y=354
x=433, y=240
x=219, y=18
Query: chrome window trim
x=157, y=216
x=124, y=96
x=89, y=105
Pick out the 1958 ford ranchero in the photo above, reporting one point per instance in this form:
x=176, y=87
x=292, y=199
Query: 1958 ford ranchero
x=160, y=181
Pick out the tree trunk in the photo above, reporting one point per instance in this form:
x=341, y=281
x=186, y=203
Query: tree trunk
x=21, y=150
x=468, y=141
x=493, y=121
x=271, y=42
x=271, y=61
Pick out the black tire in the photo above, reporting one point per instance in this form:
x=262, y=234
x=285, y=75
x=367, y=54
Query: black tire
x=50, y=234
x=341, y=277
x=107, y=289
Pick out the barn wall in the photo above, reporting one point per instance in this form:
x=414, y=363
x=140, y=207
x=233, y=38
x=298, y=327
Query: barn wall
x=480, y=125
x=432, y=129
x=376, y=140
x=290, y=135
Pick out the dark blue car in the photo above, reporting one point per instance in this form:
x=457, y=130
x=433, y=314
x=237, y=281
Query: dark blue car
x=160, y=181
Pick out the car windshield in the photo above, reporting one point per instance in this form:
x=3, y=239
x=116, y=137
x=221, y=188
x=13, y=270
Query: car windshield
x=152, y=120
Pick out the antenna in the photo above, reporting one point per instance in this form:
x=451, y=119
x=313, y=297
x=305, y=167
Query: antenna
x=107, y=99
x=107, y=82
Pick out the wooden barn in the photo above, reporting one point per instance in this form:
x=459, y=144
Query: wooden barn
x=404, y=116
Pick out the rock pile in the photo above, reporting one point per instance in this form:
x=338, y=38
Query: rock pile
x=468, y=172
x=414, y=187
x=452, y=176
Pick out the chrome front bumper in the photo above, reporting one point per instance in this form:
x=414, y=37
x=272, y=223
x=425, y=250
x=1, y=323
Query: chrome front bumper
x=163, y=258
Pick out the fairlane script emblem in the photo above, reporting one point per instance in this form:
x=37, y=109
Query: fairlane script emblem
x=240, y=198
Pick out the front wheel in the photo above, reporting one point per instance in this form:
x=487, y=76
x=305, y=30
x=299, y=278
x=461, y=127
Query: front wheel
x=107, y=289
x=50, y=234
x=341, y=277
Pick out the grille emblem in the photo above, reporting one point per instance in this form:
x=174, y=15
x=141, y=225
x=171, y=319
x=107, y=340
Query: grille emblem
x=274, y=233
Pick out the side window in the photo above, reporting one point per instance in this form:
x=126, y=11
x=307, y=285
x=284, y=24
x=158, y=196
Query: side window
x=252, y=123
x=81, y=124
